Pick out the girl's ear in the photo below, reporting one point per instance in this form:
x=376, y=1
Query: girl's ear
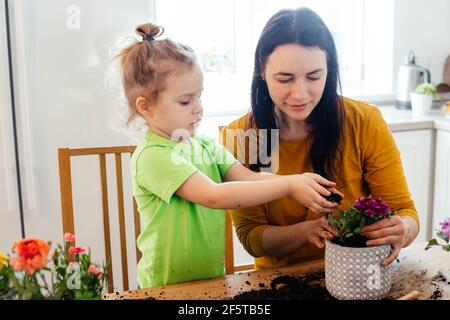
x=143, y=107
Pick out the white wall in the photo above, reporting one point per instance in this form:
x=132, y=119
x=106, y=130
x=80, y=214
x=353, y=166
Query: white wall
x=421, y=25
x=424, y=26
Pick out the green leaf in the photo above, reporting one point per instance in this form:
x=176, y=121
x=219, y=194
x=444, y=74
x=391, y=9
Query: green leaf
x=426, y=88
x=443, y=236
x=431, y=243
x=446, y=247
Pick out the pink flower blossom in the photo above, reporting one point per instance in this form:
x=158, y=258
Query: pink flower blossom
x=73, y=264
x=445, y=227
x=97, y=271
x=372, y=207
x=68, y=237
x=76, y=250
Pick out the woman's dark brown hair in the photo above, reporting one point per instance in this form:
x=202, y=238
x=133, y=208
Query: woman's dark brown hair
x=325, y=123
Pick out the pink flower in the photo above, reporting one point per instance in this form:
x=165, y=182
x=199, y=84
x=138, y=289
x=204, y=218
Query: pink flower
x=445, y=227
x=93, y=269
x=76, y=250
x=372, y=207
x=73, y=264
x=31, y=255
x=68, y=237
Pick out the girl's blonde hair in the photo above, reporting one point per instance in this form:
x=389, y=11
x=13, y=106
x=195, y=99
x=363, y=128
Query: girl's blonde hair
x=146, y=64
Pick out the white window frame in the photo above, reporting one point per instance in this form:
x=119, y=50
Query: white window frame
x=228, y=94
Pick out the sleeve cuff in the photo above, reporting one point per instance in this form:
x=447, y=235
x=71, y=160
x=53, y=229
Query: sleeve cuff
x=176, y=183
x=254, y=242
x=410, y=213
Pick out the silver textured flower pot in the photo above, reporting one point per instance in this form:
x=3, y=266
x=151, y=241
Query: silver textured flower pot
x=356, y=273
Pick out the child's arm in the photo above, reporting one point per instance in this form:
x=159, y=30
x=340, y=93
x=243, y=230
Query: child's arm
x=238, y=172
x=308, y=189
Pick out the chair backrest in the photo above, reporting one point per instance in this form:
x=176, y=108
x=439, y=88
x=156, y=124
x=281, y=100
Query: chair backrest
x=230, y=267
x=65, y=178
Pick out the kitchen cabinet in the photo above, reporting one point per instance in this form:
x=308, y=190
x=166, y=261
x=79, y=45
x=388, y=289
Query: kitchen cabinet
x=441, y=207
x=416, y=150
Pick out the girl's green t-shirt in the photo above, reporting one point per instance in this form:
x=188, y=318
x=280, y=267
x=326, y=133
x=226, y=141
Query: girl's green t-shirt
x=180, y=240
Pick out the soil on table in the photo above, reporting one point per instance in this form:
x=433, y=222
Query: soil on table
x=308, y=287
x=436, y=282
x=312, y=287
x=431, y=286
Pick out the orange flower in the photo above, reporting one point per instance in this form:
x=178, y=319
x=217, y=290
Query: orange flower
x=31, y=255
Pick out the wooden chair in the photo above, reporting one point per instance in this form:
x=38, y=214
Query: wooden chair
x=65, y=179
x=230, y=268
x=64, y=155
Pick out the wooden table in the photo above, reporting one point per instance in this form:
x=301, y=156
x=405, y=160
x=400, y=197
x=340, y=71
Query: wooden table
x=416, y=269
x=413, y=270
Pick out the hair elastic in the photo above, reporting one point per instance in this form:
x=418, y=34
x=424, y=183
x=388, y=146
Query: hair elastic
x=149, y=37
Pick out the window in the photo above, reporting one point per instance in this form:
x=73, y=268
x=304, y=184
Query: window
x=224, y=34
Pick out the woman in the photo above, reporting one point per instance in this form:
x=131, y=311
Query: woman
x=295, y=90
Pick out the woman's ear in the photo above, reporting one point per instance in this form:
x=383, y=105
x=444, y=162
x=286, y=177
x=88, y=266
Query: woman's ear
x=143, y=107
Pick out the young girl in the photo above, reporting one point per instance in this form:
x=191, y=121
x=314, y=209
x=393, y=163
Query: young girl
x=177, y=176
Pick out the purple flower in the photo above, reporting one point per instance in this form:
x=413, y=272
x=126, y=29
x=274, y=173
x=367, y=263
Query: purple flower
x=372, y=207
x=445, y=227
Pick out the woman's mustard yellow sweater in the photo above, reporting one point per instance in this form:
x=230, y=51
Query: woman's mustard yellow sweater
x=371, y=165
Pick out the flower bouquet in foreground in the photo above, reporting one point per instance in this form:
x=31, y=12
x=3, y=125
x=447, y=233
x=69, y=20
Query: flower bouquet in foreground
x=444, y=234
x=353, y=270
x=67, y=274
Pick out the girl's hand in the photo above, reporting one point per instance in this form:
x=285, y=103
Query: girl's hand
x=397, y=231
x=310, y=189
x=319, y=230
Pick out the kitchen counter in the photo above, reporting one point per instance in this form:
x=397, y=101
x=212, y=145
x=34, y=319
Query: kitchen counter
x=404, y=120
x=398, y=120
x=414, y=269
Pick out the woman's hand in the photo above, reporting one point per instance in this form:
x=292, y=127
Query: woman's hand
x=310, y=189
x=319, y=230
x=397, y=231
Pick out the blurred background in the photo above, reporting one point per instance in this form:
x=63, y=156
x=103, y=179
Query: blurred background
x=59, y=88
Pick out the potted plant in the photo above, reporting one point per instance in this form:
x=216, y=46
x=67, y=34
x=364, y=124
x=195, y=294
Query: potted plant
x=444, y=234
x=422, y=98
x=353, y=270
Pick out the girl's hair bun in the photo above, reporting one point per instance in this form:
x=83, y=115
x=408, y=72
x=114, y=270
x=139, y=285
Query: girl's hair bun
x=149, y=31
